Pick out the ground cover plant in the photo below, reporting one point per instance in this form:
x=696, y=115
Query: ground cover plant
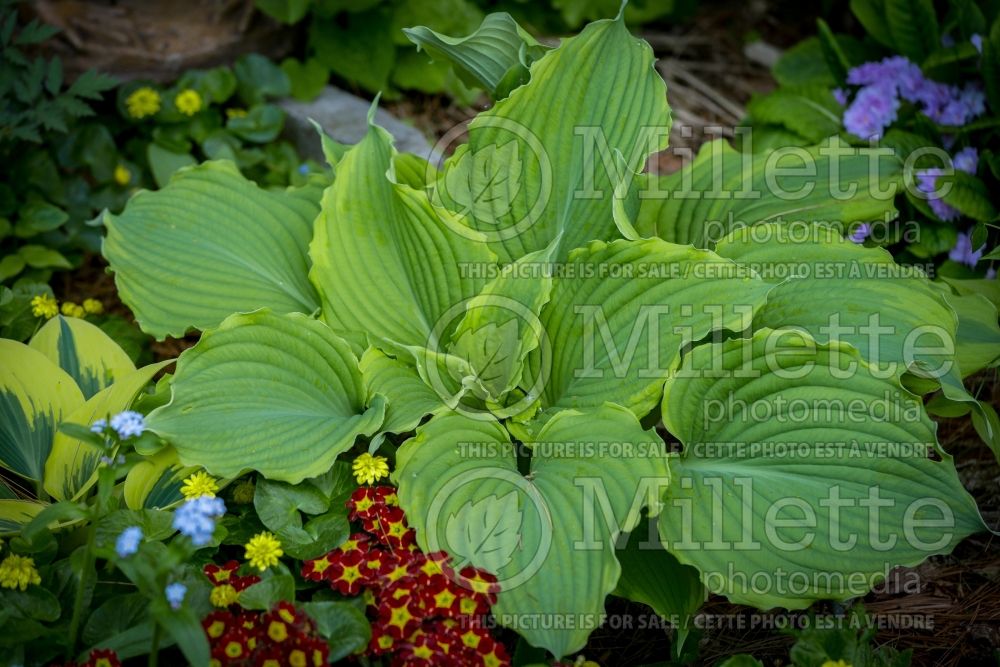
x=579, y=379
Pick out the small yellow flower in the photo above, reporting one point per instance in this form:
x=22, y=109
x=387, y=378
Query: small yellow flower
x=263, y=550
x=188, y=102
x=93, y=306
x=122, y=175
x=836, y=663
x=142, y=102
x=244, y=492
x=18, y=572
x=70, y=309
x=224, y=596
x=199, y=484
x=369, y=469
x=45, y=306
x=236, y=113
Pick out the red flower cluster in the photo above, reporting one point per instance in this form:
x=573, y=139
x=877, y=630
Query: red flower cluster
x=223, y=575
x=97, y=658
x=282, y=637
x=423, y=611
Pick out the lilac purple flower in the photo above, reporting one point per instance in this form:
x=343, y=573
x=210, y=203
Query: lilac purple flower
x=175, y=593
x=873, y=109
x=963, y=252
x=860, y=233
x=196, y=518
x=841, y=95
x=977, y=41
x=927, y=184
x=966, y=160
x=128, y=541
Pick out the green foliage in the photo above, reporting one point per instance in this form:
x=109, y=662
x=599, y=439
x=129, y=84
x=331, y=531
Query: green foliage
x=955, y=43
x=533, y=348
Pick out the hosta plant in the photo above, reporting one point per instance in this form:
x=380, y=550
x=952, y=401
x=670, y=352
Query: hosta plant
x=530, y=322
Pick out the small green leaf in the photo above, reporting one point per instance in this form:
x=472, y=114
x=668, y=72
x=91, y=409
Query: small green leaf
x=266, y=593
x=342, y=624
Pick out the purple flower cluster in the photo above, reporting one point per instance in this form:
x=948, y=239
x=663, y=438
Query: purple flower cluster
x=966, y=160
x=963, y=252
x=884, y=83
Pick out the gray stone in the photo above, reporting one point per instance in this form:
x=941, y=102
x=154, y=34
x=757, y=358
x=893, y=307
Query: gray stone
x=345, y=118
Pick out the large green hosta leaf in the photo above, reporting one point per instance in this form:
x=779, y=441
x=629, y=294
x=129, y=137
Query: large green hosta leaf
x=280, y=394
x=804, y=475
x=539, y=161
x=373, y=232
x=550, y=537
x=81, y=349
x=621, y=312
x=408, y=398
x=209, y=244
x=838, y=290
x=724, y=189
x=35, y=397
x=496, y=56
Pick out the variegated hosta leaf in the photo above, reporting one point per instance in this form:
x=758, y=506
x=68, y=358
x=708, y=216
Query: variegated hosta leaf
x=71, y=468
x=621, y=312
x=496, y=56
x=724, y=189
x=805, y=475
x=156, y=481
x=374, y=232
x=209, y=244
x=36, y=395
x=594, y=97
x=280, y=394
x=15, y=514
x=549, y=537
x=84, y=351
x=896, y=318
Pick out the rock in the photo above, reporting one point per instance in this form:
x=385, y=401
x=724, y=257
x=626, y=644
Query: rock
x=345, y=118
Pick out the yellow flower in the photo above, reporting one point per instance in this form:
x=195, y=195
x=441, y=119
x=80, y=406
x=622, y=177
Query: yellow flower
x=236, y=113
x=18, y=572
x=263, y=551
x=369, y=469
x=70, y=309
x=45, y=306
x=836, y=663
x=243, y=493
x=199, y=484
x=122, y=175
x=143, y=102
x=224, y=596
x=188, y=102
x=93, y=306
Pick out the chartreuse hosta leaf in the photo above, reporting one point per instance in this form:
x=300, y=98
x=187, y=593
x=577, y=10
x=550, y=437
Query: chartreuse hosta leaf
x=897, y=319
x=408, y=398
x=71, y=468
x=496, y=56
x=14, y=514
x=371, y=232
x=280, y=394
x=500, y=325
x=540, y=162
x=724, y=189
x=550, y=536
x=621, y=312
x=805, y=475
x=36, y=395
x=91, y=358
x=209, y=244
